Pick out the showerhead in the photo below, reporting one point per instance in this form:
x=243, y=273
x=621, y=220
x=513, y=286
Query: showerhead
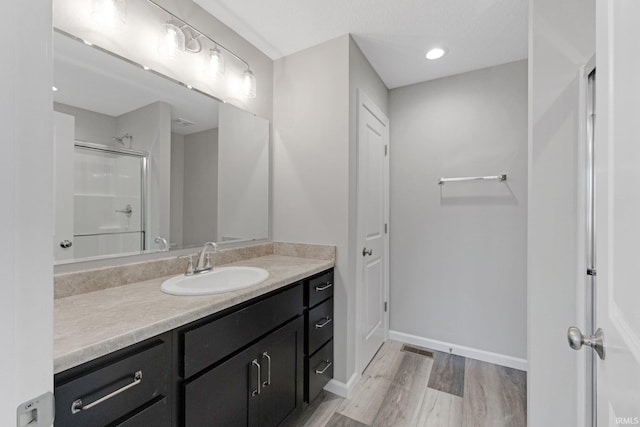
x=122, y=138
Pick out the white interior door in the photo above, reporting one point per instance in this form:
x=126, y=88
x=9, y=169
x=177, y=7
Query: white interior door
x=618, y=210
x=372, y=213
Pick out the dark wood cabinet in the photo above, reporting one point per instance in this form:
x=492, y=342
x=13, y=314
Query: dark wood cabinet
x=260, y=386
x=245, y=366
x=126, y=388
x=318, y=347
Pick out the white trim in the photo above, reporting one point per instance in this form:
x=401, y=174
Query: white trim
x=460, y=350
x=341, y=389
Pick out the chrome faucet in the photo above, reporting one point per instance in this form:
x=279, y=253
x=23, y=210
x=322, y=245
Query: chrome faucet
x=204, y=258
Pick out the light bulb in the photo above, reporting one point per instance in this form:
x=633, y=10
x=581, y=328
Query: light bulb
x=215, y=63
x=109, y=13
x=435, y=53
x=171, y=40
x=249, y=84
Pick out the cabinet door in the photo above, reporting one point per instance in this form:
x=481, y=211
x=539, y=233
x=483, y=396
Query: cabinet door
x=281, y=355
x=224, y=395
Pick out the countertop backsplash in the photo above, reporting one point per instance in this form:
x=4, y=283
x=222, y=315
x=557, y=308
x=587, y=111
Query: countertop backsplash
x=79, y=282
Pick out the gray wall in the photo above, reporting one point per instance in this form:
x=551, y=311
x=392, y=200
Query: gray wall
x=314, y=164
x=200, y=209
x=91, y=126
x=177, y=190
x=310, y=187
x=562, y=40
x=458, y=251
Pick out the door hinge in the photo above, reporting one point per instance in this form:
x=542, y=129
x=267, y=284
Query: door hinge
x=385, y=306
x=386, y=149
x=591, y=271
x=385, y=228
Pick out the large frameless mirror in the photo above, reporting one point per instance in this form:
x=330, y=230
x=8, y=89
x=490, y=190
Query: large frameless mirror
x=145, y=164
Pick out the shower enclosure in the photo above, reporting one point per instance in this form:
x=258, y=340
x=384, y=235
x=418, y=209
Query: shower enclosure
x=109, y=200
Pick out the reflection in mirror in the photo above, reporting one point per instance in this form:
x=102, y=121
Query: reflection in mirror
x=146, y=164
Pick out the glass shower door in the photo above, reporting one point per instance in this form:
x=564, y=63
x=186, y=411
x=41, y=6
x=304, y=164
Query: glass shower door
x=109, y=202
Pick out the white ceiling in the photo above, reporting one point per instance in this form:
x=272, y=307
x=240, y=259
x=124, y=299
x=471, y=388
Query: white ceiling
x=93, y=80
x=394, y=35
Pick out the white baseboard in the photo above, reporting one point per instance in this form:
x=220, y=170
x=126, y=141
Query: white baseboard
x=472, y=353
x=341, y=389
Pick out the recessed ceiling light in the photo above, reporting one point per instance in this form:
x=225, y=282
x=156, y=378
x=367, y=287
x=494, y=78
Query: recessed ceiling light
x=55, y=89
x=435, y=53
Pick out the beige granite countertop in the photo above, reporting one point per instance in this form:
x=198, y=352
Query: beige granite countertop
x=90, y=325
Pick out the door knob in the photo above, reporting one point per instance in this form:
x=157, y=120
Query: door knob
x=366, y=252
x=577, y=340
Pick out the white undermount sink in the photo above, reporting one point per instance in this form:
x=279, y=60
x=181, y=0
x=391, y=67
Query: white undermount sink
x=216, y=281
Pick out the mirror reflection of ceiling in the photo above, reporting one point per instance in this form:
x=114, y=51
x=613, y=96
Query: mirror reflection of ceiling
x=108, y=85
x=394, y=35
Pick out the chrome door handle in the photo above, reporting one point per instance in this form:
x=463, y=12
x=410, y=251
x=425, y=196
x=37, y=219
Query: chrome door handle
x=255, y=363
x=128, y=210
x=322, y=371
x=595, y=341
x=268, y=381
x=323, y=288
x=366, y=252
x=78, y=405
x=323, y=324
x=66, y=244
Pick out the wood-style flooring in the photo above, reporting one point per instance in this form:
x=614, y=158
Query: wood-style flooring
x=402, y=388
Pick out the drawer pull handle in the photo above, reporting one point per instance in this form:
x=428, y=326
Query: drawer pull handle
x=323, y=324
x=255, y=363
x=268, y=381
x=323, y=288
x=78, y=406
x=327, y=366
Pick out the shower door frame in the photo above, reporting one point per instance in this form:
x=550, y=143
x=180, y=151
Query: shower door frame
x=144, y=156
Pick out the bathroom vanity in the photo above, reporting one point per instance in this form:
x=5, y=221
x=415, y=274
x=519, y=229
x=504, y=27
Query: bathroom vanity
x=244, y=358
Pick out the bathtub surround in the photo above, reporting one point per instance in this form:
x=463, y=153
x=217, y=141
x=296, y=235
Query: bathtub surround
x=80, y=282
x=458, y=250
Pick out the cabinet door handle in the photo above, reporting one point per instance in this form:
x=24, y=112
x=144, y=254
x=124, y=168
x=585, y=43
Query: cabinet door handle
x=268, y=381
x=327, y=366
x=78, y=405
x=320, y=288
x=323, y=324
x=255, y=363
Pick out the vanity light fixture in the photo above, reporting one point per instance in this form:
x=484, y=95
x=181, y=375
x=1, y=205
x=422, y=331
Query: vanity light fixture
x=172, y=39
x=215, y=63
x=178, y=35
x=109, y=13
x=435, y=53
x=191, y=44
x=249, y=84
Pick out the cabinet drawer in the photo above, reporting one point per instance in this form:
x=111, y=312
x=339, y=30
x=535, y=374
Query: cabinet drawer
x=320, y=370
x=156, y=415
x=320, y=327
x=205, y=345
x=319, y=288
x=108, y=393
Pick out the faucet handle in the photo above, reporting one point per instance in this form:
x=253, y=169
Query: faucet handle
x=190, y=270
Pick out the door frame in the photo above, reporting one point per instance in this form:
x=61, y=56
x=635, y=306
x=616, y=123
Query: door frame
x=363, y=101
x=586, y=363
